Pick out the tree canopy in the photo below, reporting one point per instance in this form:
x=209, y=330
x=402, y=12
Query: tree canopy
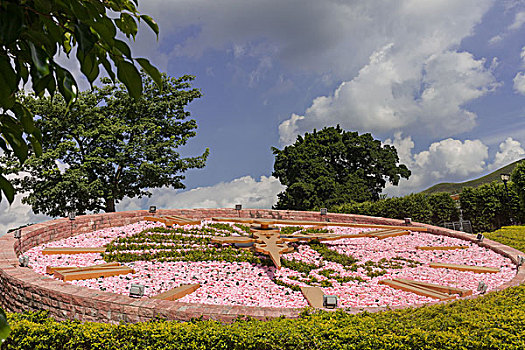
x=108, y=145
x=332, y=166
x=518, y=182
x=34, y=32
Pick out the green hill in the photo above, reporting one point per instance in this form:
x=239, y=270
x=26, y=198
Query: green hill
x=451, y=187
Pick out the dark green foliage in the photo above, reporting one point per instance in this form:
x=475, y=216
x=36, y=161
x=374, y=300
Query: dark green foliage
x=332, y=167
x=33, y=32
x=4, y=326
x=488, y=207
x=518, y=183
x=111, y=146
x=434, y=209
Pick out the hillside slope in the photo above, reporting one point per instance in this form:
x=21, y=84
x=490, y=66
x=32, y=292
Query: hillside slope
x=452, y=187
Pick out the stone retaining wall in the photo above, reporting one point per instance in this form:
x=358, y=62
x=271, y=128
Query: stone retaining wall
x=22, y=289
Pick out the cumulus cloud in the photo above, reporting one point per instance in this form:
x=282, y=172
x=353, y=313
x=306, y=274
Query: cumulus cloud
x=509, y=151
x=389, y=94
x=244, y=190
x=447, y=160
x=519, y=83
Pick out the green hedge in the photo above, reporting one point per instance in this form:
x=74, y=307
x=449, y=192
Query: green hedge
x=487, y=207
x=495, y=321
x=432, y=209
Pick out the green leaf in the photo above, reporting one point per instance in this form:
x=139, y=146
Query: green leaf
x=105, y=28
x=8, y=83
x=10, y=24
x=12, y=132
x=123, y=48
x=107, y=66
x=129, y=75
x=88, y=65
x=126, y=23
x=151, y=23
x=151, y=70
x=66, y=84
x=9, y=192
x=40, y=59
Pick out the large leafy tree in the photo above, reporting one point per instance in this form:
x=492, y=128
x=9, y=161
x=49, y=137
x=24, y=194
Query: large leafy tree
x=108, y=146
x=34, y=32
x=333, y=166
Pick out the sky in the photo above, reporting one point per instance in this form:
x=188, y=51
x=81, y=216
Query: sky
x=441, y=80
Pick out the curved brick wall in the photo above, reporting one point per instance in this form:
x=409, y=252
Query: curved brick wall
x=22, y=289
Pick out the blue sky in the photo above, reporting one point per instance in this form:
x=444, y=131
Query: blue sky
x=443, y=81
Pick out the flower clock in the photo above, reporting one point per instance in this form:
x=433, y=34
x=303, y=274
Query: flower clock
x=278, y=264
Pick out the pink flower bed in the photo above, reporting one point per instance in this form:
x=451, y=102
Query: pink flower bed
x=242, y=283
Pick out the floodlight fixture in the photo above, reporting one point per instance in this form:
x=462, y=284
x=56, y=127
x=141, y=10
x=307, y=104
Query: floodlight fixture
x=330, y=301
x=324, y=211
x=18, y=234
x=480, y=237
x=72, y=215
x=408, y=221
x=238, y=206
x=520, y=260
x=23, y=260
x=136, y=290
x=152, y=209
x=482, y=287
x=505, y=177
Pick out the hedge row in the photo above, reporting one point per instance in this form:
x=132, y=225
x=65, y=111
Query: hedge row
x=495, y=321
x=432, y=209
x=488, y=207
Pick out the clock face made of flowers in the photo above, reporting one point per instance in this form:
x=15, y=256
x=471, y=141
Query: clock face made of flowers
x=275, y=263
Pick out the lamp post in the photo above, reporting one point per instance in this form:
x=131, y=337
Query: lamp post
x=505, y=178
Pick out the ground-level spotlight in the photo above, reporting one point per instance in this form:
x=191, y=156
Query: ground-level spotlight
x=136, y=290
x=24, y=261
x=330, y=301
x=480, y=237
x=152, y=209
x=482, y=287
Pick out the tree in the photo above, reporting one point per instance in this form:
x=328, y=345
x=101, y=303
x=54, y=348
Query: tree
x=33, y=32
x=518, y=183
x=333, y=166
x=108, y=146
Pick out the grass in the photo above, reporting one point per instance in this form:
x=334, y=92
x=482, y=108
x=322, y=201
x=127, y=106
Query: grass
x=513, y=236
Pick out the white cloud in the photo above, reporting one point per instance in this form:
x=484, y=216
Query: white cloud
x=519, y=83
x=414, y=79
x=519, y=20
x=447, y=160
x=17, y=214
x=509, y=151
x=244, y=190
x=392, y=94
